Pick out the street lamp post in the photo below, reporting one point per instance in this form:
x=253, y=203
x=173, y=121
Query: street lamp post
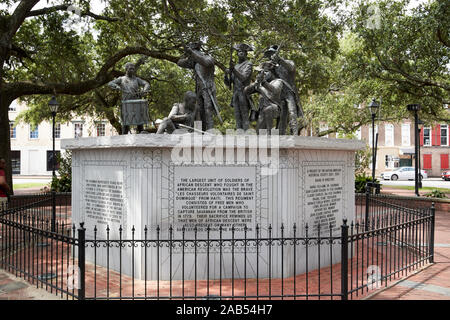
x=373, y=110
x=53, y=105
x=415, y=108
x=420, y=123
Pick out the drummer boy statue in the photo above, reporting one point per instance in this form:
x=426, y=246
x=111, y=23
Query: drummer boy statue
x=130, y=85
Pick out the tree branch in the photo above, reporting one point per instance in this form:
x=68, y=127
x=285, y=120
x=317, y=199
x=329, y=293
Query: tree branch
x=103, y=76
x=64, y=7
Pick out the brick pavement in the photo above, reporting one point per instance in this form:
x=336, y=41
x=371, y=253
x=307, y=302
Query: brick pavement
x=431, y=283
x=434, y=282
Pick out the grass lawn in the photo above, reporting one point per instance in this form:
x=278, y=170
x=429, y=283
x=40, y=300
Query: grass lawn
x=18, y=186
x=444, y=190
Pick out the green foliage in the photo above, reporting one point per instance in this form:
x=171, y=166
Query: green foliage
x=307, y=36
x=408, y=50
x=436, y=194
x=362, y=160
x=342, y=62
x=63, y=183
x=360, y=182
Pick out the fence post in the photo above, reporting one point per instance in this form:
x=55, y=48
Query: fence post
x=367, y=207
x=344, y=260
x=53, y=220
x=81, y=260
x=431, y=241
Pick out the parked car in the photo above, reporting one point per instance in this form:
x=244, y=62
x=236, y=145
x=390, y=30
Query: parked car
x=446, y=175
x=403, y=173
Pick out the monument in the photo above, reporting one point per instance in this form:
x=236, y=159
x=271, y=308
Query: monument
x=188, y=181
x=191, y=184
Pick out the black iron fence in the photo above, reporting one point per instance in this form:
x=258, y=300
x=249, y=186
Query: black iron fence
x=387, y=241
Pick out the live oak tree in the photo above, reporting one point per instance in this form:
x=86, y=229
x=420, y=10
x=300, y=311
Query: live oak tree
x=342, y=62
x=38, y=56
x=41, y=55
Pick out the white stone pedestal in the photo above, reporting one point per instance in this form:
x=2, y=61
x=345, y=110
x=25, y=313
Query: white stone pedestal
x=192, y=180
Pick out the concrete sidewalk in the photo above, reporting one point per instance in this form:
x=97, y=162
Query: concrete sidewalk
x=13, y=288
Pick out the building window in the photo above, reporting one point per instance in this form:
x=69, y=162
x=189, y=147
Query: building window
x=444, y=135
x=50, y=159
x=12, y=130
x=406, y=134
x=101, y=129
x=34, y=132
x=15, y=162
x=78, y=130
x=57, y=130
x=389, y=135
x=427, y=136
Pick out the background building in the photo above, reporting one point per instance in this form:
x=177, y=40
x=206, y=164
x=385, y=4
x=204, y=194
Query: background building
x=31, y=147
x=396, y=146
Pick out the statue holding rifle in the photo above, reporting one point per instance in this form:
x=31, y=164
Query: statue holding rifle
x=285, y=70
x=203, y=66
x=269, y=88
x=237, y=77
x=134, y=109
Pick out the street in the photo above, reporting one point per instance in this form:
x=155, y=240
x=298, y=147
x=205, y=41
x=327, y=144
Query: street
x=430, y=182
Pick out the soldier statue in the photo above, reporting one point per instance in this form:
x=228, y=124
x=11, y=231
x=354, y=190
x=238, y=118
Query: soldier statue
x=239, y=76
x=134, y=109
x=181, y=113
x=203, y=66
x=270, y=88
x=285, y=70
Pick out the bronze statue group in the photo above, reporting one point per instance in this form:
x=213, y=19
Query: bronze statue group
x=275, y=83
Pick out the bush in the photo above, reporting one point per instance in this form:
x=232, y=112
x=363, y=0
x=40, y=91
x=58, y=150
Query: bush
x=63, y=183
x=361, y=181
x=436, y=194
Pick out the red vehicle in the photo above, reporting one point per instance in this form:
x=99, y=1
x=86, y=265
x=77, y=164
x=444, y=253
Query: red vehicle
x=446, y=175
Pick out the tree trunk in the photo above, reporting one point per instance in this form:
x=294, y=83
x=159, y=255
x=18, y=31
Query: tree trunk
x=5, y=139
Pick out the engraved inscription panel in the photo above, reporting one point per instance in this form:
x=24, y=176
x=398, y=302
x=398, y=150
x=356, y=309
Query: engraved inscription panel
x=323, y=196
x=216, y=196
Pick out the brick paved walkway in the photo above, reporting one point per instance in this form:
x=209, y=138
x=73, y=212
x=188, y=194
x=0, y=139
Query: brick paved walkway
x=433, y=283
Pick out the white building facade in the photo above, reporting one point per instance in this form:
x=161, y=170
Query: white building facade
x=31, y=147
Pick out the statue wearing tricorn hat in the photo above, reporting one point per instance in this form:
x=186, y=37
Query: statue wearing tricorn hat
x=285, y=70
x=238, y=77
x=203, y=66
x=270, y=88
